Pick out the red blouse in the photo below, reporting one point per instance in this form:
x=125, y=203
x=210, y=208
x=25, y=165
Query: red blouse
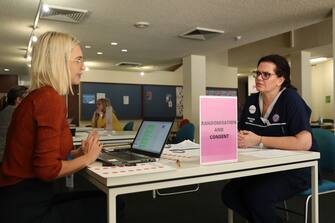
x=38, y=138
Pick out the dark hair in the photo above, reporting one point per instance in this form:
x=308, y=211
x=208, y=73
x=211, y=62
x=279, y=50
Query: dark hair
x=13, y=94
x=282, y=68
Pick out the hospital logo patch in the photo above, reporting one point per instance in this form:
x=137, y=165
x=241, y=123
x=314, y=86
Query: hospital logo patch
x=252, y=109
x=275, y=118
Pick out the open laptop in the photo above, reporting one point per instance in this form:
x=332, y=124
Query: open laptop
x=147, y=146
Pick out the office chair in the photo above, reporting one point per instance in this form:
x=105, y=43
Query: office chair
x=185, y=132
x=128, y=126
x=326, y=144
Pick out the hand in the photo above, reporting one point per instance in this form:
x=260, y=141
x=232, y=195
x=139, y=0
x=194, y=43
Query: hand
x=84, y=144
x=92, y=147
x=248, y=139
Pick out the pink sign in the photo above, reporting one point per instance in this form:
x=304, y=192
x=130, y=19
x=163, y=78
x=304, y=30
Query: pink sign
x=218, y=129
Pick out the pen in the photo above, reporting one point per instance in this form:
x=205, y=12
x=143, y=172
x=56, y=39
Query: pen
x=178, y=163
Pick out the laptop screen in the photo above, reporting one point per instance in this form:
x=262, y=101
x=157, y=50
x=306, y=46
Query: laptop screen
x=152, y=135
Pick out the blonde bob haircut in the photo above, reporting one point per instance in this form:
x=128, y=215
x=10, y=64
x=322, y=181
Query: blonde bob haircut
x=50, y=64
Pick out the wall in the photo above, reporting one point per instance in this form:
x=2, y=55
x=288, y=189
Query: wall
x=217, y=75
x=322, y=86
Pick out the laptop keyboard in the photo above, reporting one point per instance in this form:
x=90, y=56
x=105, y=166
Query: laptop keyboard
x=129, y=156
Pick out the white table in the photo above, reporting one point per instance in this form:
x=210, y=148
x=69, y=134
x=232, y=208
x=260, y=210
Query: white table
x=192, y=173
x=106, y=136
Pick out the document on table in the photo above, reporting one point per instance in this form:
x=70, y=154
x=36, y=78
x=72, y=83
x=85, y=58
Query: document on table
x=267, y=153
x=121, y=171
x=184, y=151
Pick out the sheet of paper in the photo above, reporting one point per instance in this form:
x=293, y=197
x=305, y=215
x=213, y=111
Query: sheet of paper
x=121, y=171
x=181, y=155
x=186, y=144
x=271, y=153
x=126, y=100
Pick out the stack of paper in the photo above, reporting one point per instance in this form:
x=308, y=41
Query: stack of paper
x=121, y=171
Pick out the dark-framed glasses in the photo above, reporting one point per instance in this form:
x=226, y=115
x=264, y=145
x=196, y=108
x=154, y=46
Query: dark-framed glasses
x=264, y=75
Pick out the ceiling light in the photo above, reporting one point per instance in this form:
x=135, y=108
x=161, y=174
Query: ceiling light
x=88, y=46
x=318, y=60
x=28, y=58
x=46, y=8
x=124, y=50
x=237, y=38
x=114, y=43
x=29, y=65
x=6, y=69
x=100, y=53
x=142, y=73
x=34, y=38
x=142, y=25
x=238, y=75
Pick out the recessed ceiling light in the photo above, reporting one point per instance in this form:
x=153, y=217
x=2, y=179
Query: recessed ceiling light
x=237, y=38
x=124, y=50
x=6, y=69
x=46, y=8
x=34, y=38
x=142, y=73
x=318, y=60
x=142, y=25
x=88, y=46
x=114, y=43
x=100, y=53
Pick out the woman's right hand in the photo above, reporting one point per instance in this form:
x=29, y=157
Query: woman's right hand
x=92, y=147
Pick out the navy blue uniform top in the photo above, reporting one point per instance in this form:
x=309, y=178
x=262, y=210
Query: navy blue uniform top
x=289, y=116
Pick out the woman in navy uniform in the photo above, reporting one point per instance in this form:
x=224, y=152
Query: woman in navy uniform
x=276, y=117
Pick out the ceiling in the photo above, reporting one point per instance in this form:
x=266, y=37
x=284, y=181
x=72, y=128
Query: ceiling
x=158, y=46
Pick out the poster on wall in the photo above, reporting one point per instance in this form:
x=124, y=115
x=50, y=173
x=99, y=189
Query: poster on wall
x=88, y=99
x=101, y=95
x=218, y=129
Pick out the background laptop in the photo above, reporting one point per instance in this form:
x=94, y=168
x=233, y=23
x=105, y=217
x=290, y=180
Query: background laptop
x=148, y=144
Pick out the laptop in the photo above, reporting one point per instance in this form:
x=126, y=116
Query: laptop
x=147, y=145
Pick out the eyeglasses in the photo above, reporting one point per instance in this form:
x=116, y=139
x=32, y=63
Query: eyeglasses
x=264, y=75
x=78, y=61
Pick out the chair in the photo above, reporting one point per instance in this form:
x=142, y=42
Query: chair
x=185, y=132
x=326, y=144
x=129, y=126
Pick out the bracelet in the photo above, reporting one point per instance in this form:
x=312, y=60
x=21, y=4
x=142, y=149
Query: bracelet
x=260, y=144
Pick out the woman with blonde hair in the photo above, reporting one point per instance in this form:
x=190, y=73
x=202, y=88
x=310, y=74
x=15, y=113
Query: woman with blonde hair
x=39, y=143
x=104, y=116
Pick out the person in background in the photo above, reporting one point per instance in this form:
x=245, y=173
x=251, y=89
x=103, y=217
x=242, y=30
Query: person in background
x=13, y=99
x=275, y=117
x=103, y=114
x=39, y=145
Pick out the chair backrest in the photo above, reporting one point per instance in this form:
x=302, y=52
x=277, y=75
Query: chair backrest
x=185, y=132
x=326, y=144
x=128, y=126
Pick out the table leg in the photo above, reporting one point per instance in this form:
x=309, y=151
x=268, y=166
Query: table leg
x=111, y=207
x=230, y=215
x=315, y=194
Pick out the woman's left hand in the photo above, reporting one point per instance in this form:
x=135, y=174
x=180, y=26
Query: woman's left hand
x=248, y=139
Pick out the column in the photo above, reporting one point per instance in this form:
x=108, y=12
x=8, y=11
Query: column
x=333, y=50
x=301, y=74
x=194, y=82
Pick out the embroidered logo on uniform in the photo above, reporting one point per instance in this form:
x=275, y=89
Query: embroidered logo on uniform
x=275, y=118
x=252, y=109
